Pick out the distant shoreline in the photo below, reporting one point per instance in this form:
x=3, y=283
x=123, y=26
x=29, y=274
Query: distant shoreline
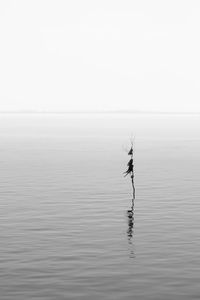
x=96, y=112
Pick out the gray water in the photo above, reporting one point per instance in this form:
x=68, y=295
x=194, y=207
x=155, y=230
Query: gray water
x=65, y=232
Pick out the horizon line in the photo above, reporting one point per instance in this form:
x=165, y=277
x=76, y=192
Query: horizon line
x=100, y=112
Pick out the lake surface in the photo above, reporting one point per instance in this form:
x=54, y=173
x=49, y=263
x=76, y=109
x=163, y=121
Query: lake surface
x=65, y=232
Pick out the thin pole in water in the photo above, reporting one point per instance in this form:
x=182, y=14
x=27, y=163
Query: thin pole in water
x=130, y=170
x=130, y=212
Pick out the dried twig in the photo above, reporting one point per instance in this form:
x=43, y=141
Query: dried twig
x=130, y=169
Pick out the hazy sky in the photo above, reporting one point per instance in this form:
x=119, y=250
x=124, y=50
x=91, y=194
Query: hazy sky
x=100, y=55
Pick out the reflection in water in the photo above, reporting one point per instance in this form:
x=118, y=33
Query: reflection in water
x=130, y=230
x=130, y=215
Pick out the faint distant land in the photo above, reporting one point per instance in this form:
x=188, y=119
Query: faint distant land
x=46, y=111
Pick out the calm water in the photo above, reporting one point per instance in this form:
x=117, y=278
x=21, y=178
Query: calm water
x=65, y=233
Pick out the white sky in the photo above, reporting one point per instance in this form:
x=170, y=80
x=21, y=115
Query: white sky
x=100, y=55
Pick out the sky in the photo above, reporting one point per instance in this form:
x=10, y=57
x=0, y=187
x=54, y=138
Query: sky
x=108, y=55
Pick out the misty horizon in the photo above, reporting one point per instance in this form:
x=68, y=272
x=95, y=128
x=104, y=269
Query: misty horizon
x=30, y=111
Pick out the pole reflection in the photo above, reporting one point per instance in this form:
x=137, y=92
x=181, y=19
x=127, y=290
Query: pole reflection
x=130, y=217
x=130, y=230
